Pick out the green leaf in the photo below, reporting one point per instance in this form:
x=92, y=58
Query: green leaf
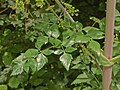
x=31, y=53
x=55, y=42
x=18, y=67
x=95, y=34
x=66, y=60
x=77, y=60
x=54, y=31
x=41, y=40
x=32, y=64
x=41, y=61
x=40, y=3
x=7, y=58
x=26, y=67
x=37, y=82
x=82, y=78
x=77, y=66
x=95, y=46
x=42, y=26
x=21, y=89
x=70, y=49
x=67, y=34
x=117, y=13
x=81, y=38
x=104, y=61
x=1, y=22
x=89, y=28
x=6, y=32
x=13, y=82
x=40, y=88
x=47, y=52
x=115, y=59
x=58, y=51
x=115, y=69
x=3, y=87
x=68, y=42
x=77, y=88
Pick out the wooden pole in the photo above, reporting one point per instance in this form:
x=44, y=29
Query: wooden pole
x=109, y=37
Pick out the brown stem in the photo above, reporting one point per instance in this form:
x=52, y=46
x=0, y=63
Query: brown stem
x=109, y=35
x=3, y=10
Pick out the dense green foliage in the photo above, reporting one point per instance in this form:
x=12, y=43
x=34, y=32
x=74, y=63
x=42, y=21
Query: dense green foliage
x=41, y=49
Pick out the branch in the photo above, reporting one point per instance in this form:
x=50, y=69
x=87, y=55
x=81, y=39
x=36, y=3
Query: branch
x=65, y=11
x=3, y=10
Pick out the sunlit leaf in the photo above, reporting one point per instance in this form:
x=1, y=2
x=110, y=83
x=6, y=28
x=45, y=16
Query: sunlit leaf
x=41, y=61
x=58, y=51
x=18, y=67
x=66, y=60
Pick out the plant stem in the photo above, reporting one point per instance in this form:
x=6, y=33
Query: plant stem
x=109, y=35
x=65, y=11
x=3, y=10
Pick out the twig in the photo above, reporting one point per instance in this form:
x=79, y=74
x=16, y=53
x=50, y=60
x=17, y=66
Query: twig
x=3, y=10
x=65, y=11
x=97, y=64
x=52, y=9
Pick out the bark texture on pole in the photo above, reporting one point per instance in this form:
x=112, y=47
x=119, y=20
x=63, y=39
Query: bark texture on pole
x=109, y=37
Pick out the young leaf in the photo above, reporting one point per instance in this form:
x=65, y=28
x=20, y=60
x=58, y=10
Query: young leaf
x=41, y=61
x=3, y=87
x=13, y=82
x=66, y=60
x=31, y=53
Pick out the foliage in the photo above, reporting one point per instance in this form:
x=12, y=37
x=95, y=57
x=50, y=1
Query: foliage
x=41, y=49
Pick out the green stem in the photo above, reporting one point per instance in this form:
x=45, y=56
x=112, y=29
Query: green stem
x=52, y=9
x=97, y=64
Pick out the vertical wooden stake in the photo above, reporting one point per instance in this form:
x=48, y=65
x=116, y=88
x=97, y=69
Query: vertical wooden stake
x=109, y=36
